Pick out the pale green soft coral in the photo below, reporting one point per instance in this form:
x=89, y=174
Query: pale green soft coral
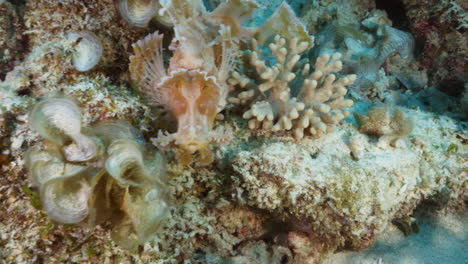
x=90, y=174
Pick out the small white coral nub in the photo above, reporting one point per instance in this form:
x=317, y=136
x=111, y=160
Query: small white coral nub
x=137, y=13
x=88, y=50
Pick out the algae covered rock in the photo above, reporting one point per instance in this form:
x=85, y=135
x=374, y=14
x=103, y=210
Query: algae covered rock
x=318, y=187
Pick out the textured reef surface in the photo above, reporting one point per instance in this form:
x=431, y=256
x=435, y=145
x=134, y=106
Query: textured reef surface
x=233, y=131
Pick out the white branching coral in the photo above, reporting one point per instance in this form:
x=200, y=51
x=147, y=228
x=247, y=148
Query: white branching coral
x=276, y=104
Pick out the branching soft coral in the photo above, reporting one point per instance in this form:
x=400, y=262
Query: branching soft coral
x=274, y=103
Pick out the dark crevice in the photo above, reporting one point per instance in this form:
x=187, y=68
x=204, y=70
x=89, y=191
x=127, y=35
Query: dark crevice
x=17, y=2
x=452, y=87
x=396, y=12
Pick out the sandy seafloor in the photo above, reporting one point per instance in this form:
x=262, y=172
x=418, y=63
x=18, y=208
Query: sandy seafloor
x=440, y=240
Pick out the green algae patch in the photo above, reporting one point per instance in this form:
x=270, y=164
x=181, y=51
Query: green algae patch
x=34, y=199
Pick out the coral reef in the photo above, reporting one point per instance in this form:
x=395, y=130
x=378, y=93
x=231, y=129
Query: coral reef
x=317, y=14
x=286, y=131
x=50, y=52
x=440, y=27
x=322, y=191
x=100, y=17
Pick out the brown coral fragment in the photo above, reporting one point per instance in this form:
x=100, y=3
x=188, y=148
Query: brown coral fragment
x=380, y=123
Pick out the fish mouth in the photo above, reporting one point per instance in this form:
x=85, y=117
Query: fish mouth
x=193, y=145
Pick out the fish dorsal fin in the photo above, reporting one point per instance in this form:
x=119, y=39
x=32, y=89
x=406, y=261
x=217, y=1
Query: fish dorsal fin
x=147, y=66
